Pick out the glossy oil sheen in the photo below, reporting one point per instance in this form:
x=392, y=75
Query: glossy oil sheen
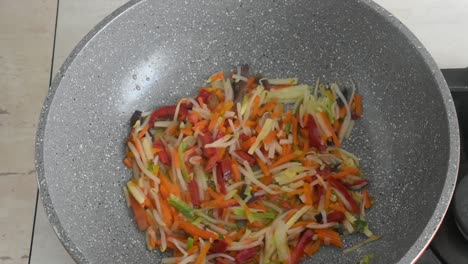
x=151, y=53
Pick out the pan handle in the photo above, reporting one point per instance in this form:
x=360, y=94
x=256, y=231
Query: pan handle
x=457, y=79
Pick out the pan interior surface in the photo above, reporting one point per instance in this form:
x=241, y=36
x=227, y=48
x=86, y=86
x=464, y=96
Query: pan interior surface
x=156, y=52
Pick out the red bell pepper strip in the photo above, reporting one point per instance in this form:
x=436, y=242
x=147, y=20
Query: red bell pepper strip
x=298, y=252
x=286, y=205
x=245, y=156
x=325, y=171
x=187, y=105
x=220, y=179
x=243, y=137
x=341, y=188
x=163, y=154
x=319, y=193
x=219, y=246
x=194, y=192
x=335, y=216
x=314, y=135
x=206, y=138
x=167, y=112
x=246, y=254
x=203, y=95
x=163, y=112
x=220, y=135
x=226, y=169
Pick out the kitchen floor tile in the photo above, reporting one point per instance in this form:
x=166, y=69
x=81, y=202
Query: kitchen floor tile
x=26, y=37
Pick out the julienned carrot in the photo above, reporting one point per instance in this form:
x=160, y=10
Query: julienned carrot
x=289, y=215
x=330, y=236
x=189, y=152
x=268, y=107
x=288, y=117
x=366, y=199
x=143, y=131
x=200, y=125
x=220, y=95
x=250, y=82
x=196, y=231
x=263, y=167
x=358, y=102
x=150, y=220
x=258, y=205
x=268, y=139
x=286, y=149
x=220, y=153
x=228, y=105
x=166, y=211
x=295, y=192
x=172, y=187
x=250, y=123
x=220, y=203
x=330, y=128
x=192, y=250
x=148, y=203
x=213, y=121
x=128, y=163
x=139, y=214
x=152, y=243
x=312, y=248
x=342, y=112
x=284, y=159
x=255, y=106
x=235, y=171
x=255, y=224
x=301, y=224
x=228, y=238
x=164, y=187
x=236, y=236
x=201, y=257
x=214, y=194
x=337, y=207
x=217, y=76
x=249, y=142
x=187, y=131
x=278, y=111
x=218, y=108
x=267, y=180
x=175, y=158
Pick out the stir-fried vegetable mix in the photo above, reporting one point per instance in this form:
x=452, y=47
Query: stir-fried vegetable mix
x=248, y=171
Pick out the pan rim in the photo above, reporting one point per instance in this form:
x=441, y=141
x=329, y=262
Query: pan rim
x=413, y=253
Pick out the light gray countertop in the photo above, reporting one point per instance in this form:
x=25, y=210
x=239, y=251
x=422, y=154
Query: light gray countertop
x=441, y=25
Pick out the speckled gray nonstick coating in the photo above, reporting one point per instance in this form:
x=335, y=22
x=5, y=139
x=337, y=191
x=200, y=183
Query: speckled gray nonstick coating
x=151, y=53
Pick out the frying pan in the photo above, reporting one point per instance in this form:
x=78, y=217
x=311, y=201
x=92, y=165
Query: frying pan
x=150, y=53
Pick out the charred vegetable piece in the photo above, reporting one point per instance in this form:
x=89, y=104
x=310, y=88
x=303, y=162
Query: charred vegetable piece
x=135, y=117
